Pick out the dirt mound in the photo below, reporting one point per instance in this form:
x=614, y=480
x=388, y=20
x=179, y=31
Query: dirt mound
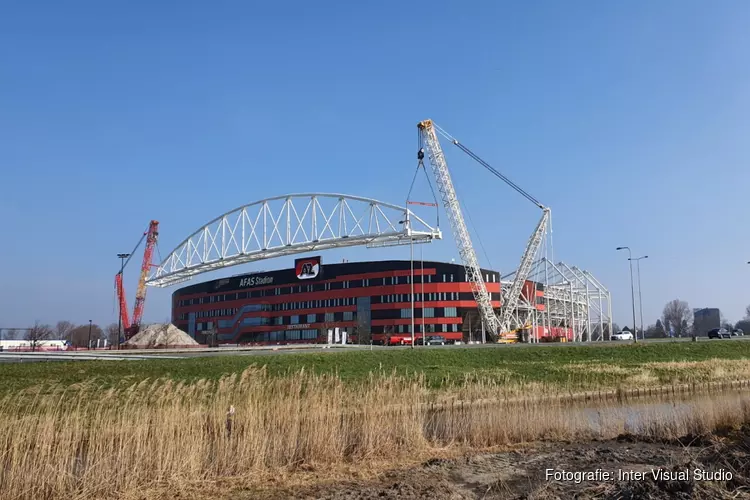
x=161, y=335
x=521, y=474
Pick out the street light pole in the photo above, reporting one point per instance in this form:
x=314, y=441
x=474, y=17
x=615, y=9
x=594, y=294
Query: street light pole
x=640, y=299
x=411, y=281
x=421, y=258
x=407, y=222
x=89, y=334
x=122, y=257
x=632, y=290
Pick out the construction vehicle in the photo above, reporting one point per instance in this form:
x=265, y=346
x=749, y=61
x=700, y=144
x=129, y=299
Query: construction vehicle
x=131, y=328
x=500, y=328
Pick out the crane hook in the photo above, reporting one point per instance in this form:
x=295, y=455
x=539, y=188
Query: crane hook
x=420, y=154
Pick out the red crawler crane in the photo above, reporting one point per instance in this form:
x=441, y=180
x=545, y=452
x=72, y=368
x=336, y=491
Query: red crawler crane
x=140, y=296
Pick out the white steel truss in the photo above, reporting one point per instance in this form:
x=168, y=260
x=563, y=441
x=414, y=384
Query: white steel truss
x=522, y=273
x=290, y=224
x=573, y=298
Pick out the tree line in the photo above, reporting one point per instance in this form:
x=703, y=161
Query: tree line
x=678, y=317
x=77, y=335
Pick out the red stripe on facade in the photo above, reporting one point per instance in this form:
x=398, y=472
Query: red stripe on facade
x=417, y=321
x=339, y=294
x=440, y=303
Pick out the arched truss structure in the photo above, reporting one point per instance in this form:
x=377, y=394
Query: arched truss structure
x=573, y=298
x=291, y=224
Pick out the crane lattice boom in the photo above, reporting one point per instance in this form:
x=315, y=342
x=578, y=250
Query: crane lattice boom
x=460, y=232
x=527, y=260
x=123, y=302
x=140, y=295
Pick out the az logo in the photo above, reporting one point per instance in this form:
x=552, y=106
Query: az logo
x=308, y=269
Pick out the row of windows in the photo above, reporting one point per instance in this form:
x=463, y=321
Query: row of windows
x=428, y=328
x=315, y=304
x=428, y=297
x=295, y=319
x=429, y=312
x=319, y=287
x=287, y=306
x=280, y=336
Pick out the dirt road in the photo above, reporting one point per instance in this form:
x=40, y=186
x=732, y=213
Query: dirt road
x=529, y=473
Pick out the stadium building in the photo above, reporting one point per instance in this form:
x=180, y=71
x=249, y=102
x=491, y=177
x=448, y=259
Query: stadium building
x=370, y=301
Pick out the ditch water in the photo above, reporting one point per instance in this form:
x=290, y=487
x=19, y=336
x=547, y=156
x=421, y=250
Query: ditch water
x=638, y=417
x=668, y=415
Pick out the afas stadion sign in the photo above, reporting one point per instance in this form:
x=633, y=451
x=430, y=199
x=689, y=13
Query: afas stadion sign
x=256, y=281
x=307, y=268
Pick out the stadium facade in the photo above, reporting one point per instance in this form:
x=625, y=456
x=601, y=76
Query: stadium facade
x=370, y=301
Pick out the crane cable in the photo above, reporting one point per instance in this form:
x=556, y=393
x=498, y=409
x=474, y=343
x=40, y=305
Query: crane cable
x=489, y=167
x=420, y=164
x=420, y=158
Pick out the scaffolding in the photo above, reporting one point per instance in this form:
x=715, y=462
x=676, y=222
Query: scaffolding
x=573, y=299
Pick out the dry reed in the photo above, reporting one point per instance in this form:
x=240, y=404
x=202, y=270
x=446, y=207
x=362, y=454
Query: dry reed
x=87, y=442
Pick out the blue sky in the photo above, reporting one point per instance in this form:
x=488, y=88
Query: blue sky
x=628, y=119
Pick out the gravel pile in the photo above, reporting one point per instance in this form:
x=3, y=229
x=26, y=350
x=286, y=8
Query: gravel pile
x=161, y=335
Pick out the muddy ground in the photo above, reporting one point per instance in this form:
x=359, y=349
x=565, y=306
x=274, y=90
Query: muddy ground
x=520, y=474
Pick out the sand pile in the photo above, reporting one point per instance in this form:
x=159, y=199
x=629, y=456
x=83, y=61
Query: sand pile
x=161, y=335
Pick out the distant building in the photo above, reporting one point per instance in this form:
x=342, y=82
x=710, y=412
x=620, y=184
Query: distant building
x=705, y=320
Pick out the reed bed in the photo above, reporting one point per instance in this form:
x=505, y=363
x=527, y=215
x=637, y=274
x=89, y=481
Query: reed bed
x=88, y=441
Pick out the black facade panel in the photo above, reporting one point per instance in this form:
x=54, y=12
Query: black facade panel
x=285, y=277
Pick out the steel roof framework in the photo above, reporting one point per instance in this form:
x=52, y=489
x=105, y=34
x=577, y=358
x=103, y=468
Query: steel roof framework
x=287, y=225
x=574, y=298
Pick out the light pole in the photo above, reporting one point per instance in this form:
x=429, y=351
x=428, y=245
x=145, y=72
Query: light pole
x=640, y=300
x=89, y=334
x=632, y=291
x=407, y=222
x=421, y=258
x=122, y=257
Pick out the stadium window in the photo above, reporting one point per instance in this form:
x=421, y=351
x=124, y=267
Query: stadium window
x=406, y=313
x=329, y=317
x=451, y=277
x=400, y=328
x=311, y=318
x=443, y=278
x=293, y=335
x=348, y=315
x=455, y=327
x=445, y=328
x=429, y=312
x=450, y=312
x=294, y=320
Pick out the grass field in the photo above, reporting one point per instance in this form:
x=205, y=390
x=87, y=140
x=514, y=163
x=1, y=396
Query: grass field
x=161, y=429
x=570, y=366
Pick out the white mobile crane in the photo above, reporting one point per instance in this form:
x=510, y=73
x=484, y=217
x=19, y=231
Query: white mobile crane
x=496, y=326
